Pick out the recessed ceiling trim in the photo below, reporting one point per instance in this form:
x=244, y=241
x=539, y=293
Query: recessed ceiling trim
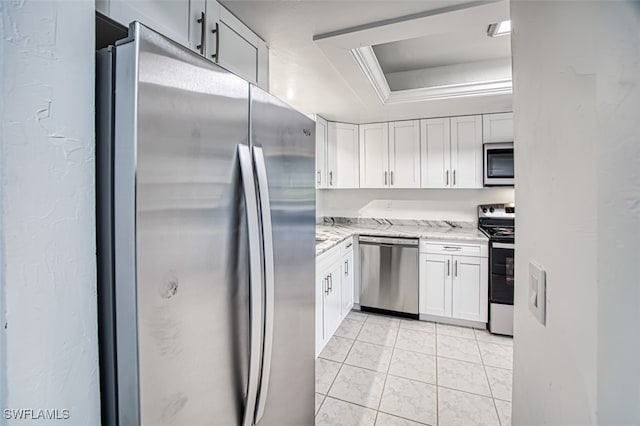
x=481, y=88
x=366, y=59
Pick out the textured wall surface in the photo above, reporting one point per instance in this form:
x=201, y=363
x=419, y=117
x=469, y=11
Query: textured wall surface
x=576, y=104
x=48, y=223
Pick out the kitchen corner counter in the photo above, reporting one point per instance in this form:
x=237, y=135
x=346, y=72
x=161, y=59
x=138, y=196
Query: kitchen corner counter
x=332, y=231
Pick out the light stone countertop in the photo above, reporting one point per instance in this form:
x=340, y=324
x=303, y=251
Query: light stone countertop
x=334, y=230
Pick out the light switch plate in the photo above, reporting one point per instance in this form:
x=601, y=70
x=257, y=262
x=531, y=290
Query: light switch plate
x=537, y=291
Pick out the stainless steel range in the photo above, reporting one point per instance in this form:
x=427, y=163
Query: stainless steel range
x=497, y=221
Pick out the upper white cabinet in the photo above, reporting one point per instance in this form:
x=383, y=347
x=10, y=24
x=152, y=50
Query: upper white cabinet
x=404, y=154
x=204, y=26
x=342, y=155
x=435, y=134
x=497, y=127
x=171, y=18
x=466, y=152
x=374, y=155
x=321, y=152
x=430, y=153
x=234, y=46
x=390, y=155
x=452, y=152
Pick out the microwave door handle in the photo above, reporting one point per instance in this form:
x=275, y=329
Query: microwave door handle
x=269, y=288
x=256, y=285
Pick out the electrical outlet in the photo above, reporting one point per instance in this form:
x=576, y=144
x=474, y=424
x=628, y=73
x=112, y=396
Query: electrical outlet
x=537, y=291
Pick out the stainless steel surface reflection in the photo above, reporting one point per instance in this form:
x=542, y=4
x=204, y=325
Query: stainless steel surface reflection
x=389, y=274
x=287, y=139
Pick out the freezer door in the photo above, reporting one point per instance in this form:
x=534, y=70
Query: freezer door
x=283, y=143
x=182, y=263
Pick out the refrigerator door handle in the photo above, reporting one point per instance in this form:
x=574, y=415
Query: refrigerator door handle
x=256, y=286
x=269, y=288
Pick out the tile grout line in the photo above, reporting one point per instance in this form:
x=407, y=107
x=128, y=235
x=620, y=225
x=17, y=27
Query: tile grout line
x=484, y=368
x=336, y=376
x=405, y=418
x=386, y=375
x=397, y=328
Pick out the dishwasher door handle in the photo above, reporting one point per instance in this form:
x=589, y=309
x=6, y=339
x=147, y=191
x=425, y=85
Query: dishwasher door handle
x=386, y=241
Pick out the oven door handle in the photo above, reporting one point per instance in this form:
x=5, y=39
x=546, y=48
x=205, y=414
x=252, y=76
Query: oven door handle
x=503, y=245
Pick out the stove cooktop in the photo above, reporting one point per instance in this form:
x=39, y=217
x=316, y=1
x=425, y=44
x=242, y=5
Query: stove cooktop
x=497, y=221
x=504, y=234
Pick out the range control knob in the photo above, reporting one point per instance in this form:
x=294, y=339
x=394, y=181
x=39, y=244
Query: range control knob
x=484, y=210
x=492, y=210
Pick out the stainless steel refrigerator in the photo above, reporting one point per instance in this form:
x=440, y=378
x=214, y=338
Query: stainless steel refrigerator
x=206, y=233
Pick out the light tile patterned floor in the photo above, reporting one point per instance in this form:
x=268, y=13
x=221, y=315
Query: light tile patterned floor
x=385, y=371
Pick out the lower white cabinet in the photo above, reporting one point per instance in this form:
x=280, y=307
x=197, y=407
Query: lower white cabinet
x=347, y=283
x=454, y=280
x=334, y=290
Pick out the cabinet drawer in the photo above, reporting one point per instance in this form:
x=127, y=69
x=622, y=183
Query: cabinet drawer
x=453, y=248
x=346, y=246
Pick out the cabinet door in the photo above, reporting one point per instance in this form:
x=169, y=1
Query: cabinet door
x=435, y=284
x=170, y=18
x=469, y=293
x=332, y=301
x=497, y=127
x=374, y=155
x=404, y=154
x=466, y=152
x=342, y=155
x=238, y=47
x=321, y=152
x=435, y=145
x=347, y=283
x=321, y=282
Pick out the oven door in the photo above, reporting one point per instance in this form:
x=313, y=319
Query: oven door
x=501, y=277
x=498, y=164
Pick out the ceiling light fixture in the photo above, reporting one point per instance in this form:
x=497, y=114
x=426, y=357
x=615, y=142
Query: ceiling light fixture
x=499, y=29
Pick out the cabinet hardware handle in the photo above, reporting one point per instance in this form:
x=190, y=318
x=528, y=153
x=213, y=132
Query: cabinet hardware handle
x=448, y=267
x=203, y=31
x=329, y=282
x=385, y=178
x=330, y=178
x=452, y=248
x=447, y=175
x=454, y=178
x=216, y=31
x=319, y=176
x=325, y=284
x=455, y=268
x=346, y=267
x=349, y=245
x=392, y=178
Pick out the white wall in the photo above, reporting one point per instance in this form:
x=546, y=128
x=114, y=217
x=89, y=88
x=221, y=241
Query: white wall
x=429, y=204
x=48, y=271
x=576, y=69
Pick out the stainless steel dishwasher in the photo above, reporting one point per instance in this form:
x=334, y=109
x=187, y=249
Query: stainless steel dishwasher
x=389, y=274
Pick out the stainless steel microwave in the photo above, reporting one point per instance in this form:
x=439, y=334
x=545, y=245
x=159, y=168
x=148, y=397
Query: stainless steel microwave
x=498, y=164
